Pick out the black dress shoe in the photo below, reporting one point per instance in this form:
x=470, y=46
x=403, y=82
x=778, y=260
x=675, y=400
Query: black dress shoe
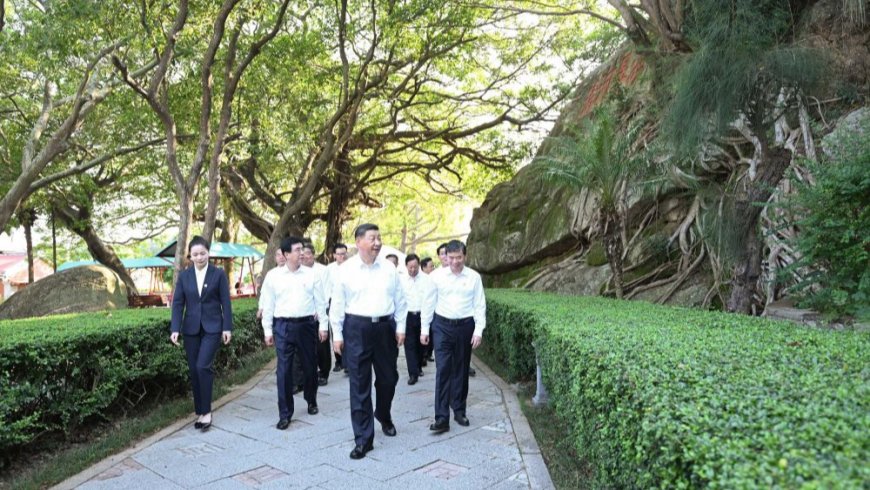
x=322, y=381
x=461, y=420
x=312, y=409
x=421, y=373
x=472, y=372
x=337, y=368
x=431, y=359
x=360, y=451
x=440, y=426
x=412, y=380
x=283, y=424
x=389, y=429
x=197, y=425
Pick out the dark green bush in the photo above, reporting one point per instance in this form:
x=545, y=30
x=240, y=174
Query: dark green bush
x=58, y=372
x=662, y=397
x=834, y=241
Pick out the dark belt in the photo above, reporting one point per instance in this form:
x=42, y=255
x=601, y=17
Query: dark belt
x=415, y=313
x=371, y=319
x=296, y=319
x=453, y=321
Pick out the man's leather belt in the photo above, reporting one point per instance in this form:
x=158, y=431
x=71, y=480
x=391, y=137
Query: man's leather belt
x=415, y=313
x=453, y=321
x=296, y=319
x=372, y=319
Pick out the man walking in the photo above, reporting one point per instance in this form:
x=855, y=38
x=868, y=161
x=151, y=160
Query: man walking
x=324, y=350
x=458, y=307
x=417, y=286
x=292, y=297
x=339, y=255
x=368, y=320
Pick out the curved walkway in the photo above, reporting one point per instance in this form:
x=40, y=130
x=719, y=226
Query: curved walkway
x=243, y=449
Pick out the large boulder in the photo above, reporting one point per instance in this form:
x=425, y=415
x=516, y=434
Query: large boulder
x=88, y=288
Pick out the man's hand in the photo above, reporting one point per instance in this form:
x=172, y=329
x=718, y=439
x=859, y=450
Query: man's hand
x=227, y=336
x=270, y=340
x=400, y=338
x=475, y=341
x=260, y=314
x=424, y=339
x=173, y=337
x=324, y=335
x=337, y=346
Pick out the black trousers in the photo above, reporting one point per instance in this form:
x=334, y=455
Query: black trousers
x=201, y=350
x=324, y=357
x=414, y=350
x=292, y=338
x=452, y=358
x=370, y=345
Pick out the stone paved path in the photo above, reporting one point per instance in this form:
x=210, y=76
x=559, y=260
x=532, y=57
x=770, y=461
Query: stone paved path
x=243, y=449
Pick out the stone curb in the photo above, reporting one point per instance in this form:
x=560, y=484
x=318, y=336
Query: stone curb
x=94, y=470
x=536, y=468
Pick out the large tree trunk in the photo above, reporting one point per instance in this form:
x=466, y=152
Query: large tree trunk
x=27, y=217
x=79, y=222
x=747, y=210
x=185, y=215
x=613, y=249
x=339, y=200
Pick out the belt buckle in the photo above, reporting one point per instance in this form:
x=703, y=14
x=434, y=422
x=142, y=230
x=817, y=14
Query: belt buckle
x=376, y=319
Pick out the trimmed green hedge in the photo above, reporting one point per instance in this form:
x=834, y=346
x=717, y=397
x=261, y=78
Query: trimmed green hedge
x=663, y=397
x=58, y=372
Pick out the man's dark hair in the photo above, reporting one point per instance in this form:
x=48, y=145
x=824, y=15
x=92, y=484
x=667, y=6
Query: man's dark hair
x=338, y=246
x=455, y=246
x=363, y=228
x=309, y=245
x=441, y=247
x=425, y=262
x=393, y=256
x=410, y=258
x=198, y=240
x=287, y=243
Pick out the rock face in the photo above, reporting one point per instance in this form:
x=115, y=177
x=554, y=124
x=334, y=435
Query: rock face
x=89, y=288
x=531, y=233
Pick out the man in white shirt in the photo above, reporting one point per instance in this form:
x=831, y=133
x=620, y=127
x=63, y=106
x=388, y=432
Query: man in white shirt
x=417, y=286
x=324, y=348
x=293, y=305
x=368, y=320
x=427, y=265
x=458, y=306
x=339, y=255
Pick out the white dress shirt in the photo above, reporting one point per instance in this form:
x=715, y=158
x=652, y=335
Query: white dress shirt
x=200, y=277
x=416, y=289
x=329, y=278
x=367, y=290
x=455, y=296
x=292, y=294
x=320, y=270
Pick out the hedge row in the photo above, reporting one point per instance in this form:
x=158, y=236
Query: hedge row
x=58, y=372
x=662, y=397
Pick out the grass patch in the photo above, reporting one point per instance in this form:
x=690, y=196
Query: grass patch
x=52, y=467
x=567, y=470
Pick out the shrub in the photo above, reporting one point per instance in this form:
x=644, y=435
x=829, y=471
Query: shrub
x=833, y=239
x=662, y=397
x=58, y=372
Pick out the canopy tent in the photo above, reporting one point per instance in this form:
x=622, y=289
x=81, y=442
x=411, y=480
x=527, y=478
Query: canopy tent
x=228, y=251
x=219, y=250
x=141, y=263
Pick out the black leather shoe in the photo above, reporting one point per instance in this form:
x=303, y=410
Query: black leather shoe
x=359, y=452
x=421, y=373
x=322, y=381
x=337, y=368
x=440, y=426
x=412, y=380
x=389, y=429
x=283, y=424
x=431, y=359
x=312, y=409
x=197, y=425
x=461, y=420
x=472, y=372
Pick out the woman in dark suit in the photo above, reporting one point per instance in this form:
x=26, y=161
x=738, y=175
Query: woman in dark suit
x=201, y=311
